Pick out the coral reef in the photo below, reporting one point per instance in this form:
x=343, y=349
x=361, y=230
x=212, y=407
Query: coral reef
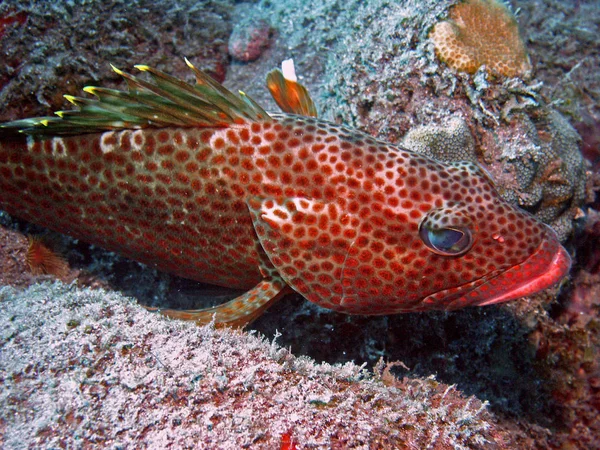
x=539, y=167
x=89, y=368
x=417, y=91
x=481, y=32
x=449, y=141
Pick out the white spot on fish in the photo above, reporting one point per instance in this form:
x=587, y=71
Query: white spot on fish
x=108, y=142
x=498, y=238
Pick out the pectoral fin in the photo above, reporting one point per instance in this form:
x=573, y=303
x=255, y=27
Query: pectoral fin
x=237, y=312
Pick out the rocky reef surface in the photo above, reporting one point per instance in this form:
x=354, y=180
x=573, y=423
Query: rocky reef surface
x=371, y=65
x=82, y=367
x=53, y=48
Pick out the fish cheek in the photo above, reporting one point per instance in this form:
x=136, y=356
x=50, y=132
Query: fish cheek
x=457, y=246
x=309, y=243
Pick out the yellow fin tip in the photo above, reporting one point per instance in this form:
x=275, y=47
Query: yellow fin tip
x=189, y=64
x=117, y=70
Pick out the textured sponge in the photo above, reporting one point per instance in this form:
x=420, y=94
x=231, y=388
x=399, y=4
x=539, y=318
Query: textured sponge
x=480, y=32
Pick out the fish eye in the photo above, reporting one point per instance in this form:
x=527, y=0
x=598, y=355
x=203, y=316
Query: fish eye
x=453, y=241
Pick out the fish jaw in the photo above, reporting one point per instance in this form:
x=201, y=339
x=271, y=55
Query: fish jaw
x=544, y=275
x=543, y=269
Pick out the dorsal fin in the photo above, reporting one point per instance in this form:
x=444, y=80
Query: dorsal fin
x=291, y=96
x=163, y=101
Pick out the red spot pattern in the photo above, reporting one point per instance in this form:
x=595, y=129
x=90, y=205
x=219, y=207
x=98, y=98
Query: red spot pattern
x=335, y=212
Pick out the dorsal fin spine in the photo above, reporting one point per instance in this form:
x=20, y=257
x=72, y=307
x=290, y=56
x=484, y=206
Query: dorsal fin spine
x=161, y=102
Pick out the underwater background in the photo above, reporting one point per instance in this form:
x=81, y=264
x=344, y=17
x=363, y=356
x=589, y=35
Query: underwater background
x=82, y=364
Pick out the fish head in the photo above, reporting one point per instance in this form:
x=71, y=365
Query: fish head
x=433, y=236
x=488, y=250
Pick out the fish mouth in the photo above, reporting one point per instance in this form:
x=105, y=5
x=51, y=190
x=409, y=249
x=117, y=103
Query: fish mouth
x=543, y=269
x=557, y=269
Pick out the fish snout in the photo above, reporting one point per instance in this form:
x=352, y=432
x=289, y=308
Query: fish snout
x=549, y=264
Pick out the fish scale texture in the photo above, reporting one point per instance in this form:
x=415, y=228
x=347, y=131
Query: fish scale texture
x=333, y=212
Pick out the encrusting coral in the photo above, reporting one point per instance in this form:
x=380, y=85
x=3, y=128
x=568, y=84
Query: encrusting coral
x=481, y=32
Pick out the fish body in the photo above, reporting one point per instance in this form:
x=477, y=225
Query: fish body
x=277, y=201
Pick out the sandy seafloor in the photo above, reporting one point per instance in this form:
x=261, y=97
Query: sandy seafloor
x=82, y=365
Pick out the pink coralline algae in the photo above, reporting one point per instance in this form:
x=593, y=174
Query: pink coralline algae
x=249, y=40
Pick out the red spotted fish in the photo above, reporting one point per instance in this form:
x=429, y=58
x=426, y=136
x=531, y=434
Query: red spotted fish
x=205, y=184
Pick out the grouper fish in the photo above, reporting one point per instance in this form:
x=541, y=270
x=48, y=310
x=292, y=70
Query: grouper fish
x=204, y=184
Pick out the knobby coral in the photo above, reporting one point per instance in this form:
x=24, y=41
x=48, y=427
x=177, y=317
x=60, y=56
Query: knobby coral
x=481, y=32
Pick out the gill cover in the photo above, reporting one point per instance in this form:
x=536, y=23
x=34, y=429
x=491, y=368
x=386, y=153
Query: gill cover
x=309, y=242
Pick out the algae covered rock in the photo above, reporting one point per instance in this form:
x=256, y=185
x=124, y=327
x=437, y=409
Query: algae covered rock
x=90, y=368
x=55, y=48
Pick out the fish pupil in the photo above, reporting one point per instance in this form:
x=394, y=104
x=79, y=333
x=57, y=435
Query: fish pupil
x=447, y=241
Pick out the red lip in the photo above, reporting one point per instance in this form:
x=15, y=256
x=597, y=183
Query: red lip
x=551, y=274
